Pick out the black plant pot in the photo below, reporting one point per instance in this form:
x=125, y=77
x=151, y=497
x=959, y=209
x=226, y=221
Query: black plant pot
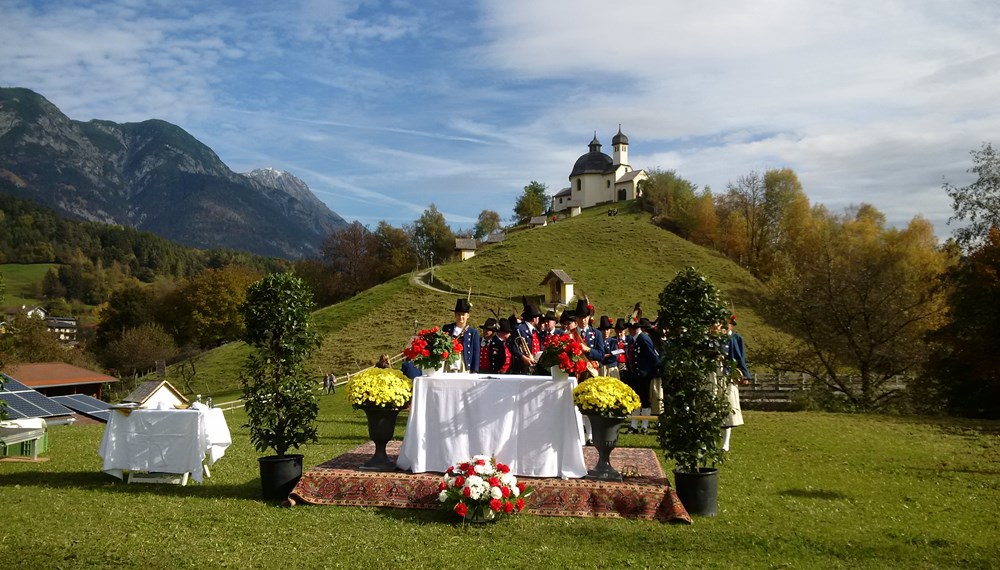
x=278, y=475
x=605, y=440
x=699, y=492
x=381, y=426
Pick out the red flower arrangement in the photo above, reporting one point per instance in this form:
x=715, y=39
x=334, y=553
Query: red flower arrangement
x=566, y=352
x=432, y=348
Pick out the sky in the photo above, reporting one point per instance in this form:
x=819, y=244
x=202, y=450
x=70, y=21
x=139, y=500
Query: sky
x=385, y=107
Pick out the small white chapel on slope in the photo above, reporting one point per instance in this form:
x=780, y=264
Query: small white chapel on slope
x=598, y=178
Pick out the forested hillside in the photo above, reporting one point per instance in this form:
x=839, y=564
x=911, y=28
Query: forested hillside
x=96, y=258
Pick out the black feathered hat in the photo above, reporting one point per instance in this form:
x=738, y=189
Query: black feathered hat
x=620, y=324
x=462, y=306
x=490, y=325
x=531, y=311
x=605, y=323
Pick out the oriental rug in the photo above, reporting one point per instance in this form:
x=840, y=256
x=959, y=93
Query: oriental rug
x=644, y=494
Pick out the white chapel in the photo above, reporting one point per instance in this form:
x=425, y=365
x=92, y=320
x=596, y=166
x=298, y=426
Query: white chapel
x=598, y=178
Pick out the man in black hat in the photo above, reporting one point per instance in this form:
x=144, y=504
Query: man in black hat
x=643, y=366
x=526, y=341
x=498, y=349
x=489, y=328
x=567, y=323
x=614, y=351
x=591, y=336
x=469, y=362
x=547, y=326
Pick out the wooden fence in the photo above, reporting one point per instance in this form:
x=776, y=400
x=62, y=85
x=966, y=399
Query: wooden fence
x=780, y=389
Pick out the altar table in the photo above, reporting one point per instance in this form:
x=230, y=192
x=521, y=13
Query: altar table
x=164, y=441
x=527, y=422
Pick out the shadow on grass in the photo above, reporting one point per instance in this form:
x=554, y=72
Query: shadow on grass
x=104, y=483
x=813, y=494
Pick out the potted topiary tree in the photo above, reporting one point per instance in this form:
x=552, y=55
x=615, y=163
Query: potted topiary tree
x=694, y=407
x=281, y=405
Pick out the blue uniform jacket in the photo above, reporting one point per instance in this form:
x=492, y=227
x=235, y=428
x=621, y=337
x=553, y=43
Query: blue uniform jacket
x=646, y=361
x=470, y=345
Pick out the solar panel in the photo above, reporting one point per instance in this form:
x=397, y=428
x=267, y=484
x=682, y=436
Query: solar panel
x=12, y=412
x=45, y=403
x=82, y=403
x=103, y=415
x=17, y=404
x=11, y=385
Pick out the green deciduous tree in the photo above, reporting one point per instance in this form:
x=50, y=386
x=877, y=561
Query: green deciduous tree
x=979, y=202
x=137, y=349
x=858, y=298
x=394, y=251
x=533, y=202
x=131, y=306
x=488, y=222
x=432, y=237
x=962, y=372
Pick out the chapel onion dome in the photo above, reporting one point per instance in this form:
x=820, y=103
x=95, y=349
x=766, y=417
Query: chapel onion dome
x=594, y=161
x=620, y=138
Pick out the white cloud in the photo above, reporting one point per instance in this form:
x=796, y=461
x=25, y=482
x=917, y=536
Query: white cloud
x=385, y=107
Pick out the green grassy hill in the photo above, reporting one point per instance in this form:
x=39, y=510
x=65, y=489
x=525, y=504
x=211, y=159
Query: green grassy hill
x=615, y=260
x=23, y=281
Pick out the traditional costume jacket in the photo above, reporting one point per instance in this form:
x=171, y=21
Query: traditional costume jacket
x=470, y=345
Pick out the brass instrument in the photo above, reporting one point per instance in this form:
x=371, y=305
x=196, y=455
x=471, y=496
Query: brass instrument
x=522, y=345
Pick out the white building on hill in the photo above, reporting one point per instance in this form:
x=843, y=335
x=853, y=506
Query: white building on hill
x=598, y=178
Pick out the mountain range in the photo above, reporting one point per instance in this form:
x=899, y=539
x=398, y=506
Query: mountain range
x=154, y=176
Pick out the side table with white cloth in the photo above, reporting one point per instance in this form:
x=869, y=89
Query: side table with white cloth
x=164, y=441
x=527, y=422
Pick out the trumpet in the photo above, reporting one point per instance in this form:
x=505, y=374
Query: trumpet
x=522, y=345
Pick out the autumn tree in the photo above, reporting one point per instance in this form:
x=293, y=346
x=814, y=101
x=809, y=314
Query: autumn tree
x=137, y=349
x=488, y=222
x=532, y=202
x=350, y=252
x=703, y=228
x=978, y=203
x=322, y=281
x=858, y=298
x=433, y=239
x=27, y=339
x=759, y=215
x=205, y=310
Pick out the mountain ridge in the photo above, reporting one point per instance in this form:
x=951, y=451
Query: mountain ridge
x=154, y=176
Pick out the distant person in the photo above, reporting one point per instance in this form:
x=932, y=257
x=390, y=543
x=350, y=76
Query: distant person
x=734, y=356
x=643, y=364
x=384, y=362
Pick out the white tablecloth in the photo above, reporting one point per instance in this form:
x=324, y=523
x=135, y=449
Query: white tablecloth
x=527, y=422
x=164, y=441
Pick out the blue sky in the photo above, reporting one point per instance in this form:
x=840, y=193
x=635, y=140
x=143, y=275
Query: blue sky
x=386, y=107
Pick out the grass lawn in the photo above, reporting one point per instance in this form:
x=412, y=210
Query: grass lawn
x=23, y=281
x=800, y=490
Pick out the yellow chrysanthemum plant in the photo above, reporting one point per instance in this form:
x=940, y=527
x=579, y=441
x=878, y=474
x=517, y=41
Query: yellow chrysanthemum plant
x=379, y=388
x=605, y=396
